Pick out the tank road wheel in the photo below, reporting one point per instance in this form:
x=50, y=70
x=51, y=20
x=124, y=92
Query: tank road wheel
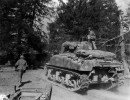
x=49, y=74
x=67, y=79
x=74, y=83
x=62, y=80
x=57, y=76
x=78, y=82
x=84, y=81
x=71, y=84
x=54, y=77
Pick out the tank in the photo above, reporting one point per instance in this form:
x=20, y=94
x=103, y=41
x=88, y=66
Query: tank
x=80, y=65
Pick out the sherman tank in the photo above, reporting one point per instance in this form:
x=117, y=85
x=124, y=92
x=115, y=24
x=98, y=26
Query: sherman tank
x=80, y=65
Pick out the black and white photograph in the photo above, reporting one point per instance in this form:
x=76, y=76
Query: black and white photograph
x=64, y=49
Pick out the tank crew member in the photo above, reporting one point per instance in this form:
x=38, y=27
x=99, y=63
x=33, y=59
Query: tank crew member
x=92, y=38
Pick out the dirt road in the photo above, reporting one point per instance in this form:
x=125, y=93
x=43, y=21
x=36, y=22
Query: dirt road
x=62, y=94
x=57, y=92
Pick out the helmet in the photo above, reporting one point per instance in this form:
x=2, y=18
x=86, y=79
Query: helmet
x=21, y=56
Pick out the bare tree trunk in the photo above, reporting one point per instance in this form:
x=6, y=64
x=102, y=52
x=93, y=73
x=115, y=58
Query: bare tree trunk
x=123, y=55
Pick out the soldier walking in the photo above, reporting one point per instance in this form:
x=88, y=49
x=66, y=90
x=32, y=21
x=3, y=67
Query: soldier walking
x=21, y=66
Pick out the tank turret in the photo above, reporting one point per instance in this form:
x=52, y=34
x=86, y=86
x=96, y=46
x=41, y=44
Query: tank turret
x=80, y=65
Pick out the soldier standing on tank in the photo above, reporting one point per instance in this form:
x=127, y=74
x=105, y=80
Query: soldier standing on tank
x=91, y=38
x=21, y=67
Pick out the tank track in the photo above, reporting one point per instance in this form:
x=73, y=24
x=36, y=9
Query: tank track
x=69, y=80
x=120, y=81
x=73, y=81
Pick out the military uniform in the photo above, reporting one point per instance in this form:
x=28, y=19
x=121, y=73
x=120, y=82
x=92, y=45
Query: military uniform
x=22, y=65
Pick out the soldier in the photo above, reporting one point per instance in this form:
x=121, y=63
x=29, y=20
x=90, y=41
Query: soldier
x=91, y=38
x=21, y=67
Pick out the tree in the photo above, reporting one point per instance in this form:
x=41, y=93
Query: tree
x=126, y=42
x=56, y=38
x=123, y=49
x=20, y=21
x=77, y=16
x=128, y=10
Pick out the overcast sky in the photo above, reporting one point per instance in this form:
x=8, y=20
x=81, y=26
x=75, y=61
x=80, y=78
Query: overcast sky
x=122, y=3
